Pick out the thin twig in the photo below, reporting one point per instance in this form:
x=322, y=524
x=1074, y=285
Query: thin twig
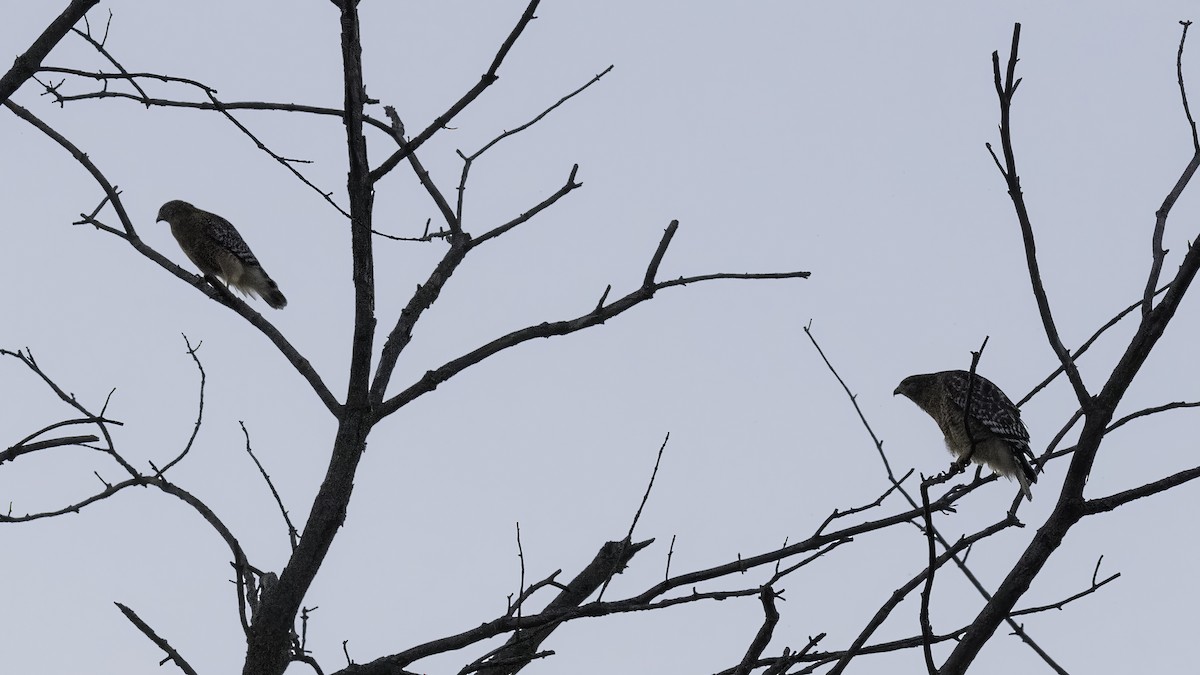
x=1086, y=345
x=567, y=187
x=649, y=486
x=1158, y=253
x=1095, y=586
x=172, y=654
x=469, y=160
x=293, y=535
x=521, y=558
x=484, y=82
x=1182, y=89
x=638, y=515
x=435, y=193
x=99, y=46
x=26, y=357
x=887, y=466
x=199, y=408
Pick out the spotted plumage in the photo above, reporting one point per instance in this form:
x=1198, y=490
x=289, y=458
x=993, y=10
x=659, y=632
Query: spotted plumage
x=214, y=245
x=1000, y=439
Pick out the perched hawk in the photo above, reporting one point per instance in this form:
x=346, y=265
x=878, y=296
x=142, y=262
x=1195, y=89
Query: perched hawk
x=1001, y=439
x=214, y=245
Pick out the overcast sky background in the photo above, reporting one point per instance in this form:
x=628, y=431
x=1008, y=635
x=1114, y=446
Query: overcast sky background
x=842, y=138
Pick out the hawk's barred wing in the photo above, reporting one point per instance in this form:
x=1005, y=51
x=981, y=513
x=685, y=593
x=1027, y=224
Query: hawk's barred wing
x=990, y=407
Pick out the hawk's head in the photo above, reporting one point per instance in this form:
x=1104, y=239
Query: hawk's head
x=914, y=386
x=173, y=209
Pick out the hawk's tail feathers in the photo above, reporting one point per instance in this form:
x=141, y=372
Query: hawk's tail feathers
x=253, y=280
x=274, y=297
x=1024, y=481
x=1026, y=476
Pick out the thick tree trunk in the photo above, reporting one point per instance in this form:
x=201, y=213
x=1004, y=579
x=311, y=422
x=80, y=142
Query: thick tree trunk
x=268, y=645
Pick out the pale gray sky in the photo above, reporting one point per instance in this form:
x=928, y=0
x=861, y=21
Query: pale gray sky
x=842, y=138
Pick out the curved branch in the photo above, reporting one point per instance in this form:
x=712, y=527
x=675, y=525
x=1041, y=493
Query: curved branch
x=194, y=105
x=761, y=639
x=301, y=364
x=241, y=564
x=99, y=420
x=599, y=315
x=199, y=409
x=442, y=120
x=1006, y=88
x=24, y=448
x=141, y=97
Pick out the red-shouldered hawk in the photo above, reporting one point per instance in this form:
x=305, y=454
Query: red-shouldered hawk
x=1001, y=439
x=214, y=245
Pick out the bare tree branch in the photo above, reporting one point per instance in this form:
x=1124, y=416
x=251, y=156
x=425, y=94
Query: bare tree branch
x=1104, y=504
x=599, y=315
x=268, y=642
x=99, y=47
x=902, y=592
x=27, y=64
x=401, y=334
x=293, y=535
x=541, y=206
x=172, y=655
x=199, y=409
x=1097, y=413
x=215, y=104
x=763, y=637
x=887, y=466
x=1006, y=87
x=611, y=558
x=132, y=78
x=1095, y=586
x=24, y=448
x=1158, y=253
x=469, y=160
x=649, y=486
x=452, y=220
x=651, y=598
x=100, y=421
x=1085, y=346
x=484, y=82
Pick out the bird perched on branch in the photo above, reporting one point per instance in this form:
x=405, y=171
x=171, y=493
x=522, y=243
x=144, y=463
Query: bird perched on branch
x=994, y=430
x=214, y=245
